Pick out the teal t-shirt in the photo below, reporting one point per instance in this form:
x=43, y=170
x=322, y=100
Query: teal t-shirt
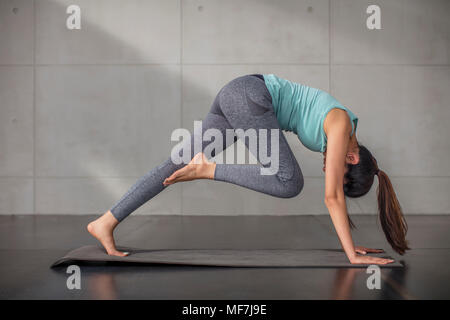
x=302, y=110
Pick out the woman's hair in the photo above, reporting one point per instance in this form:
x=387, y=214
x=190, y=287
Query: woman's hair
x=360, y=178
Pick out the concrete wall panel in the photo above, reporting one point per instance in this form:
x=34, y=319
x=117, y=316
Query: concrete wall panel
x=112, y=31
x=252, y=31
x=16, y=31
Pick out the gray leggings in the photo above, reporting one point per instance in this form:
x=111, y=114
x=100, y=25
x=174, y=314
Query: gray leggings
x=243, y=103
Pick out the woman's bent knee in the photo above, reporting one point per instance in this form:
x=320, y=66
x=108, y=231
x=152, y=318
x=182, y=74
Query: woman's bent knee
x=292, y=187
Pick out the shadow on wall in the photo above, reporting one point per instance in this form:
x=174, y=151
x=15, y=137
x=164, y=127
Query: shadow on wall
x=100, y=113
x=95, y=119
x=93, y=110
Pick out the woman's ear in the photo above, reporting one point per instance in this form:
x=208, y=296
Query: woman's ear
x=352, y=157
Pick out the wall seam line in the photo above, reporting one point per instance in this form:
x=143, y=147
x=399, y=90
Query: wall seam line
x=181, y=90
x=34, y=107
x=226, y=64
x=138, y=176
x=329, y=46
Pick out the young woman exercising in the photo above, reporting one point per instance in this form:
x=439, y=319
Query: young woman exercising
x=322, y=124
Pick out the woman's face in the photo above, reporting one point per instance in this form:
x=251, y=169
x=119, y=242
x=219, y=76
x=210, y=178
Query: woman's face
x=325, y=163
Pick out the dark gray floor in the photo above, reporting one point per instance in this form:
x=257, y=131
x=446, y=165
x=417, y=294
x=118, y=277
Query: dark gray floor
x=29, y=244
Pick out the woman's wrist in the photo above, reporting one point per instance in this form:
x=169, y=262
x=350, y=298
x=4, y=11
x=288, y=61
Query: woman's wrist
x=351, y=255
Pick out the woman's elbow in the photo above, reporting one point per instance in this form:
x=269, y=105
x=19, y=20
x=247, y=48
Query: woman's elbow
x=331, y=201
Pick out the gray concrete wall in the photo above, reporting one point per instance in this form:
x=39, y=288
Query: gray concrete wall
x=84, y=113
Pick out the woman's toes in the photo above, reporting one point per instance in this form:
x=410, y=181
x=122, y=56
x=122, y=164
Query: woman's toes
x=118, y=253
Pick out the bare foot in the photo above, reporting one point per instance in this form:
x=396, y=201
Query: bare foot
x=102, y=229
x=198, y=168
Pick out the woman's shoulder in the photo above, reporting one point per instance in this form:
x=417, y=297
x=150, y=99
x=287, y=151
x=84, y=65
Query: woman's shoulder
x=337, y=118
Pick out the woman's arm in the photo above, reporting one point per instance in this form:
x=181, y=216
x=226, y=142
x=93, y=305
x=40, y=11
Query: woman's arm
x=338, y=133
x=337, y=145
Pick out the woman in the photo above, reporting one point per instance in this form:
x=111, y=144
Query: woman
x=322, y=124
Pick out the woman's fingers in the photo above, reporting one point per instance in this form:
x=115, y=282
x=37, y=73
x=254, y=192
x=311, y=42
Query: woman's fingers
x=382, y=260
x=370, y=260
x=364, y=250
x=374, y=250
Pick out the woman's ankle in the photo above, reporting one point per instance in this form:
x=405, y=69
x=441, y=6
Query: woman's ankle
x=204, y=168
x=109, y=219
x=211, y=170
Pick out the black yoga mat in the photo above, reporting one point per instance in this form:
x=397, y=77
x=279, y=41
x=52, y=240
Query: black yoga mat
x=302, y=258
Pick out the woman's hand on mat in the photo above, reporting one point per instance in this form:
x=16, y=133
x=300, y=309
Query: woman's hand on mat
x=357, y=259
x=364, y=250
x=369, y=260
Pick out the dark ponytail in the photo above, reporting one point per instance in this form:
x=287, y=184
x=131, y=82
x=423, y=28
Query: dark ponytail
x=360, y=178
x=391, y=217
